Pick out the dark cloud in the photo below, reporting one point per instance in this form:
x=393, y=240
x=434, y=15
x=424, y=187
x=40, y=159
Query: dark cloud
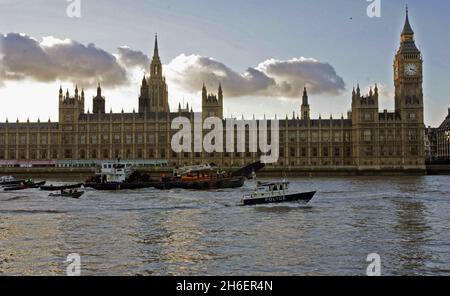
x=272, y=78
x=24, y=57
x=133, y=58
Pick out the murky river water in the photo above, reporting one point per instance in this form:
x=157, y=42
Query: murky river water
x=406, y=220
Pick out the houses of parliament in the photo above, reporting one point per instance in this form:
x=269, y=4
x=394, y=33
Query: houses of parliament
x=366, y=139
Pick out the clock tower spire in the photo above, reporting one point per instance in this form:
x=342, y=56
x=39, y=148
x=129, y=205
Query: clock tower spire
x=408, y=77
x=407, y=33
x=408, y=80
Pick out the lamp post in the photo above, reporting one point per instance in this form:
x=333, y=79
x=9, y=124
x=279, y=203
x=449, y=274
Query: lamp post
x=447, y=137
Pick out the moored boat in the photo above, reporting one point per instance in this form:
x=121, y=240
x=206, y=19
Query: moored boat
x=118, y=176
x=250, y=169
x=62, y=187
x=200, y=177
x=71, y=193
x=275, y=193
x=9, y=180
x=119, y=185
x=24, y=185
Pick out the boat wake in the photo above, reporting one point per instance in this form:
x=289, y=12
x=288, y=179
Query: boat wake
x=16, y=198
x=282, y=209
x=31, y=212
x=159, y=208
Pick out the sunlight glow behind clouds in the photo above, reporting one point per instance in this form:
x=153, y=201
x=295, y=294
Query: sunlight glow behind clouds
x=50, y=41
x=32, y=71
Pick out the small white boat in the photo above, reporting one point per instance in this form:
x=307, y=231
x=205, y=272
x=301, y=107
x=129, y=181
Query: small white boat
x=275, y=192
x=68, y=193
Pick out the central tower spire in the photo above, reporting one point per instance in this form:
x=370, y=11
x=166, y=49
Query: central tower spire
x=156, y=66
x=156, y=51
x=154, y=94
x=305, y=110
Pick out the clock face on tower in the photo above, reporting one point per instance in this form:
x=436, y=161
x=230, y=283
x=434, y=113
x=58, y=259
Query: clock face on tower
x=410, y=69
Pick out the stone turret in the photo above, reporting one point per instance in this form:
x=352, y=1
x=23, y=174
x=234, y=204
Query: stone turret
x=70, y=107
x=98, y=102
x=212, y=105
x=305, y=110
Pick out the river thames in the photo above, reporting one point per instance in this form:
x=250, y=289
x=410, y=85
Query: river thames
x=406, y=220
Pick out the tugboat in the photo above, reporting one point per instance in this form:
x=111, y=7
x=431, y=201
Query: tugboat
x=200, y=177
x=118, y=176
x=276, y=192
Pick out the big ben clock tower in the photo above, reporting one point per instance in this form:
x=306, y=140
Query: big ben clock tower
x=408, y=79
x=408, y=76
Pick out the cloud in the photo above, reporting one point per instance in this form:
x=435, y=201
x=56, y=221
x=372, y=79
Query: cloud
x=190, y=72
x=385, y=93
x=24, y=57
x=133, y=58
x=51, y=59
x=271, y=78
x=292, y=75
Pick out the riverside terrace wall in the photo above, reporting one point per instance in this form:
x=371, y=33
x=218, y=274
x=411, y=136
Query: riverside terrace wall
x=438, y=169
x=83, y=173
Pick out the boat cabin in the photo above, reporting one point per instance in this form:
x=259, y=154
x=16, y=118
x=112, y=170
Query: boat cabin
x=115, y=172
x=272, y=189
x=197, y=172
x=7, y=179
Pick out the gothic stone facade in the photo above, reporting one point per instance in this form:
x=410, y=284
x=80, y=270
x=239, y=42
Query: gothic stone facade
x=443, y=139
x=366, y=139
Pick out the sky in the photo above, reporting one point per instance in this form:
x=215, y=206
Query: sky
x=263, y=53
